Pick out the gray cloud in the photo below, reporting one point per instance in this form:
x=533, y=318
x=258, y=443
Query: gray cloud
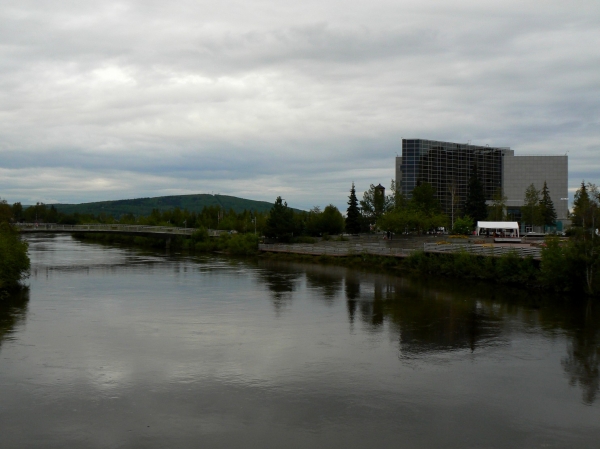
x=113, y=99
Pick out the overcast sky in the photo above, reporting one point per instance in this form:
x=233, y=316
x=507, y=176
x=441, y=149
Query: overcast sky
x=256, y=98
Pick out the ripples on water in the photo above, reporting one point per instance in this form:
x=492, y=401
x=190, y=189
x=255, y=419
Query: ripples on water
x=116, y=347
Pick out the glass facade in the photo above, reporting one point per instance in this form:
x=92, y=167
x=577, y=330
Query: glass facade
x=447, y=167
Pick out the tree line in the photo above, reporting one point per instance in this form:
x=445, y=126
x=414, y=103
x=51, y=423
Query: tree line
x=567, y=265
x=392, y=212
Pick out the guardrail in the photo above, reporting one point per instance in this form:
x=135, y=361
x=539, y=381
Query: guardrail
x=116, y=228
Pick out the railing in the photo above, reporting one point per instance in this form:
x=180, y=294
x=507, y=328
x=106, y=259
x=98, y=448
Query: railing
x=116, y=228
x=483, y=250
x=331, y=250
x=383, y=250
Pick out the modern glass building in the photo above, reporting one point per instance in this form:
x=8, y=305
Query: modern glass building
x=447, y=167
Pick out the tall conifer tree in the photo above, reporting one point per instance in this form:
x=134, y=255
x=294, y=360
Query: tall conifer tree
x=475, y=206
x=353, y=213
x=547, y=210
x=581, y=206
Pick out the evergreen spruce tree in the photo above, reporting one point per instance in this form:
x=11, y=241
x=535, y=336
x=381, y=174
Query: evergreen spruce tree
x=475, y=206
x=547, y=210
x=581, y=206
x=280, y=223
x=353, y=218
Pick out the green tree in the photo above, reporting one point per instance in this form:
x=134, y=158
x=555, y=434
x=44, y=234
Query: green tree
x=14, y=262
x=420, y=214
x=36, y=213
x=475, y=206
x=353, y=217
x=6, y=213
x=424, y=199
x=547, y=211
x=280, y=223
x=395, y=199
x=498, y=206
x=312, y=221
x=530, y=212
x=332, y=221
x=463, y=226
x=585, y=206
x=17, y=210
x=373, y=204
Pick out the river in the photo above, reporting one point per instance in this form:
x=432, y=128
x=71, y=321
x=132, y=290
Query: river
x=115, y=347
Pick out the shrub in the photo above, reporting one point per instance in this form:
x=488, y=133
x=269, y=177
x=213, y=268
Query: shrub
x=14, y=261
x=200, y=235
x=463, y=226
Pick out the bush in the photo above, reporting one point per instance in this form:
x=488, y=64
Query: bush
x=200, y=235
x=463, y=226
x=509, y=268
x=243, y=244
x=14, y=261
x=236, y=244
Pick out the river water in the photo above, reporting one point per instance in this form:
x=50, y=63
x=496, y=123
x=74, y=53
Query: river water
x=115, y=347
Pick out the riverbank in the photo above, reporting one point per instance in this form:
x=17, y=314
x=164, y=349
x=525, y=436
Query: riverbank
x=199, y=242
x=554, y=270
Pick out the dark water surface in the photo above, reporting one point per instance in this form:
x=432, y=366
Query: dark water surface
x=114, y=347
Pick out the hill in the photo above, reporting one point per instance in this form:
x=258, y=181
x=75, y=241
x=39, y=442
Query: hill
x=144, y=206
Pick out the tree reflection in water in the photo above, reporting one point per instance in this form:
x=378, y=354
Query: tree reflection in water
x=326, y=281
x=281, y=280
x=13, y=310
x=433, y=316
x=582, y=363
x=352, y=288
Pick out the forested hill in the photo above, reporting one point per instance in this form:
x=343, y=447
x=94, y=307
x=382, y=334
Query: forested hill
x=144, y=206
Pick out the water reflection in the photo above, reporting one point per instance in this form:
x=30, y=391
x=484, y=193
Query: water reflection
x=13, y=311
x=325, y=281
x=169, y=350
x=281, y=279
x=428, y=316
x=582, y=363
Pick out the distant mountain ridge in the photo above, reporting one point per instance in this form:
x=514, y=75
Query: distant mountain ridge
x=144, y=206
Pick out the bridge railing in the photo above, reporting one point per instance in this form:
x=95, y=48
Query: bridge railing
x=113, y=228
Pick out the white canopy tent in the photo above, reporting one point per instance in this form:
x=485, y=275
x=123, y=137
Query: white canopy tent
x=504, y=228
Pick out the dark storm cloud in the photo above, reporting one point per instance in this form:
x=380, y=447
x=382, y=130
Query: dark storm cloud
x=112, y=99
